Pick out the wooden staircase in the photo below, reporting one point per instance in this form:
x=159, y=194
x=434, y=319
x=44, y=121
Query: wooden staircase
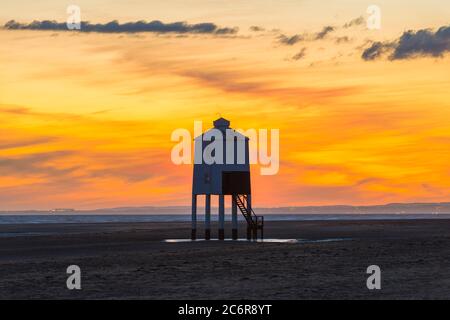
x=254, y=222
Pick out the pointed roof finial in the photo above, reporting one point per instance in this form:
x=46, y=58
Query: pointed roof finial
x=221, y=123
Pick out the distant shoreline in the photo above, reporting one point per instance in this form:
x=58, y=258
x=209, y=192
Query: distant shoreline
x=392, y=208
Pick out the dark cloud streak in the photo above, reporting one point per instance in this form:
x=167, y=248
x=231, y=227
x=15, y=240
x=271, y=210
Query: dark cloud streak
x=129, y=27
x=299, y=55
x=423, y=43
x=355, y=22
x=325, y=31
x=4, y=145
x=412, y=44
x=343, y=39
x=376, y=50
x=257, y=29
x=290, y=41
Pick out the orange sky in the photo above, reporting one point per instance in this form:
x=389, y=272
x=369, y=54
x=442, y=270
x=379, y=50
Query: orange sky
x=86, y=118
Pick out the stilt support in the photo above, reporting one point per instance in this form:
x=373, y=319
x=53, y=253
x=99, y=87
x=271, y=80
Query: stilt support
x=194, y=217
x=221, y=217
x=250, y=231
x=208, y=217
x=234, y=219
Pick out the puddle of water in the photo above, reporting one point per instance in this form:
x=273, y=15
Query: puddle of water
x=230, y=240
x=323, y=240
x=261, y=241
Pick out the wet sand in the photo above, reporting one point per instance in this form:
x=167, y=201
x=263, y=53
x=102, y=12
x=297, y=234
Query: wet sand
x=131, y=261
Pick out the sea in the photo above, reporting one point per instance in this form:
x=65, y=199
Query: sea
x=118, y=218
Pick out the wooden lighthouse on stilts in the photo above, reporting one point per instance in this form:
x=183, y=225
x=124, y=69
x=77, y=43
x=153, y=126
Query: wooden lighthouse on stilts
x=222, y=168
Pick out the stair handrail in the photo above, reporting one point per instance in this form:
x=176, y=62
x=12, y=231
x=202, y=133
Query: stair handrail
x=252, y=213
x=240, y=204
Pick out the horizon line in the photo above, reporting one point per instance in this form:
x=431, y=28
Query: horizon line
x=59, y=209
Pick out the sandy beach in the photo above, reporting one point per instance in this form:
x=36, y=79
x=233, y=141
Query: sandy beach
x=132, y=261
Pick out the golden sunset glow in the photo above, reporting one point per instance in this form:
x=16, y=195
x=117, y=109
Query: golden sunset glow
x=86, y=118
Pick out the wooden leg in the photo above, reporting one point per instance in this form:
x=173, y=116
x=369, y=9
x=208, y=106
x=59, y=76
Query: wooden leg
x=208, y=217
x=221, y=217
x=194, y=217
x=234, y=218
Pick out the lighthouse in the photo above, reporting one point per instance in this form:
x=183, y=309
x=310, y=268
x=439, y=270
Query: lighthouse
x=222, y=169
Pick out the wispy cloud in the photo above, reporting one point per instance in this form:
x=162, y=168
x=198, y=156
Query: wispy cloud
x=343, y=39
x=299, y=55
x=257, y=29
x=15, y=110
x=155, y=26
x=136, y=172
x=26, y=142
x=325, y=31
x=376, y=50
x=296, y=38
x=227, y=82
x=35, y=164
x=354, y=22
x=290, y=40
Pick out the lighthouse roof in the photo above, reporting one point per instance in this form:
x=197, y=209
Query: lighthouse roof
x=221, y=123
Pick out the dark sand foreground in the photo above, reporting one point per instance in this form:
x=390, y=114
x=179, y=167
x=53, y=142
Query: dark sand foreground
x=130, y=261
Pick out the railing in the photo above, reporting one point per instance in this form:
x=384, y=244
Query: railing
x=250, y=214
x=254, y=222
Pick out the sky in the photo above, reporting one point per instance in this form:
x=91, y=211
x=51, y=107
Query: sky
x=86, y=117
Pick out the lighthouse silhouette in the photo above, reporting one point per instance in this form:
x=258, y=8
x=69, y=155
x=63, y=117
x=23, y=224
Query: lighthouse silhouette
x=222, y=168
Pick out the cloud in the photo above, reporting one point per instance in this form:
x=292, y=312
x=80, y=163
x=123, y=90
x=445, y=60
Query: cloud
x=227, y=82
x=412, y=44
x=325, y=31
x=343, y=39
x=35, y=164
x=257, y=29
x=369, y=180
x=299, y=55
x=134, y=172
x=290, y=41
x=355, y=22
x=423, y=43
x=15, y=110
x=4, y=145
x=18, y=111
x=128, y=27
x=375, y=51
